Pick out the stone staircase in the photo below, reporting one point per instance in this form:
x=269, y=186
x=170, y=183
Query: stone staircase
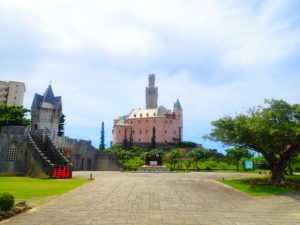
x=51, y=160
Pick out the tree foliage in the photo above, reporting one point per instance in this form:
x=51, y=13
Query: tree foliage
x=61, y=126
x=273, y=130
x=102, y=144
x=153, y=138
x=198, y=154
x=236, y=154
x=13, y=116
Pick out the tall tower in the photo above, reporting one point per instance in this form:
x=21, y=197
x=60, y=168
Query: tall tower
x=151, y=93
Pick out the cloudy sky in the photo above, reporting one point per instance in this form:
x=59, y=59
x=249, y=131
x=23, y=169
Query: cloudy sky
x=217, y=57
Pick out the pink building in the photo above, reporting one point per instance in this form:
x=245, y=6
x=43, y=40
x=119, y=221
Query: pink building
x=139, y=124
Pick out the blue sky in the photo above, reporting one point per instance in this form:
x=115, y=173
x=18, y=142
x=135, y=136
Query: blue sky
x=217, y=57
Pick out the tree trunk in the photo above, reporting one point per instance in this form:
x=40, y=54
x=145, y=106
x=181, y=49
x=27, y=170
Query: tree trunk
x=291, y=172
x=277, y=171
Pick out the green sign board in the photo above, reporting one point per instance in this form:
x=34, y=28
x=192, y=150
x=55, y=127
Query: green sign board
x=248, y=165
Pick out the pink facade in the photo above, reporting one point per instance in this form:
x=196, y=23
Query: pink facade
x=168, y=129
x=138, y=125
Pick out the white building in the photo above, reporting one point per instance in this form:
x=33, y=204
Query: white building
x=46, y=111
x=12, y=93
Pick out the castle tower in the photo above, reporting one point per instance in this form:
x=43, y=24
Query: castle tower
x=46, y=111
x=151, y=93
x=178, y=113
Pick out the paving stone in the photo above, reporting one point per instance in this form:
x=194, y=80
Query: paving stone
x=172, y=198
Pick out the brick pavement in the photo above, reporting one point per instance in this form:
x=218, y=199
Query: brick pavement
x=170, y=198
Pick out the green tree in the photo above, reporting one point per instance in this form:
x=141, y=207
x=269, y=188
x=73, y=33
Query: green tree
x=13, y=116
x=61, y=126
x=174, y=156
x=272, y=130
x=236, y=154
x=102, y=144
x=198, y=154
x=153, y=139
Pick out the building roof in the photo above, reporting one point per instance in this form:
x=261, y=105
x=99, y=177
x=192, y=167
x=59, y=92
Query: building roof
x=177, y=105
x=48, y=100
x=144, y=113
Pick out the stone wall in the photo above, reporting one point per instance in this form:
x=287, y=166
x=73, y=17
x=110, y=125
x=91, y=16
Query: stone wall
x=16, y=153
x=108, y=163
x=86, y=157
x=13, y=149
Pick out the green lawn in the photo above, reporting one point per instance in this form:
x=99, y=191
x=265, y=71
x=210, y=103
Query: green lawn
x=36, y=191
x=245, y=185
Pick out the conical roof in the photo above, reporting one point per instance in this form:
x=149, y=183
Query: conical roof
x=177, y=105
x=48, y=95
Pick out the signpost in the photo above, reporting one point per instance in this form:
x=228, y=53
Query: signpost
x=248, y=165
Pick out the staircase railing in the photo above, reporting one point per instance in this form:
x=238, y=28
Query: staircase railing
x=37, y=154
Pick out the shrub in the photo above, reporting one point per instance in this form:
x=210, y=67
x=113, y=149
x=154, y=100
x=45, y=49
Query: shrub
x=260, y=162
x=7, y=201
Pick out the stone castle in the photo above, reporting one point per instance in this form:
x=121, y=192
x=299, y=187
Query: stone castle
x=140, y=125
x=37, y=149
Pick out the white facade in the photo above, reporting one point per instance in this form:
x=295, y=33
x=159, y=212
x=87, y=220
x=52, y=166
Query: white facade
x=46, y=111
x=12, y=93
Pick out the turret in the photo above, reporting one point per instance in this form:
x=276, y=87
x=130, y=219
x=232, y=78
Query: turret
x=179, y=114
x=46, y=111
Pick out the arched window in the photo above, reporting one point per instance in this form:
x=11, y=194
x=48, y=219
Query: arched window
x=134, y=115
x=141, y=115
x=166, y=131
x=140, y=131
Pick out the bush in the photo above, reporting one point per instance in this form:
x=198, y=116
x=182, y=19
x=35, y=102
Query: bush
x=260, y=162
x=7, y=201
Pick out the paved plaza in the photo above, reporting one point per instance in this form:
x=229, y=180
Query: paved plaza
x=167, y=198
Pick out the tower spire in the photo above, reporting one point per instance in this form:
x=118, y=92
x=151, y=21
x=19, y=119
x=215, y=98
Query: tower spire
x=151, y=93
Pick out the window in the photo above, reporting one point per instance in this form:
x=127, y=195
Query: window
x=139, y=140
x=147, y=121
x=179, y=116
x=15, y=97
x=146, y=131
x=165, y=131
x=131, y=122
x=141, y=115
x=174, y=131
x=119, y=132
x=154, y=114
x=134, y=115
x=133, y=131
x=170, y=121
x=166, y=121
x=140, y=131
x=12, y=153
x=139, y=121
x=147, y=114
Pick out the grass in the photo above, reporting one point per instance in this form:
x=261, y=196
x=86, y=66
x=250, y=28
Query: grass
x=252, y=188
x=36, y=191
